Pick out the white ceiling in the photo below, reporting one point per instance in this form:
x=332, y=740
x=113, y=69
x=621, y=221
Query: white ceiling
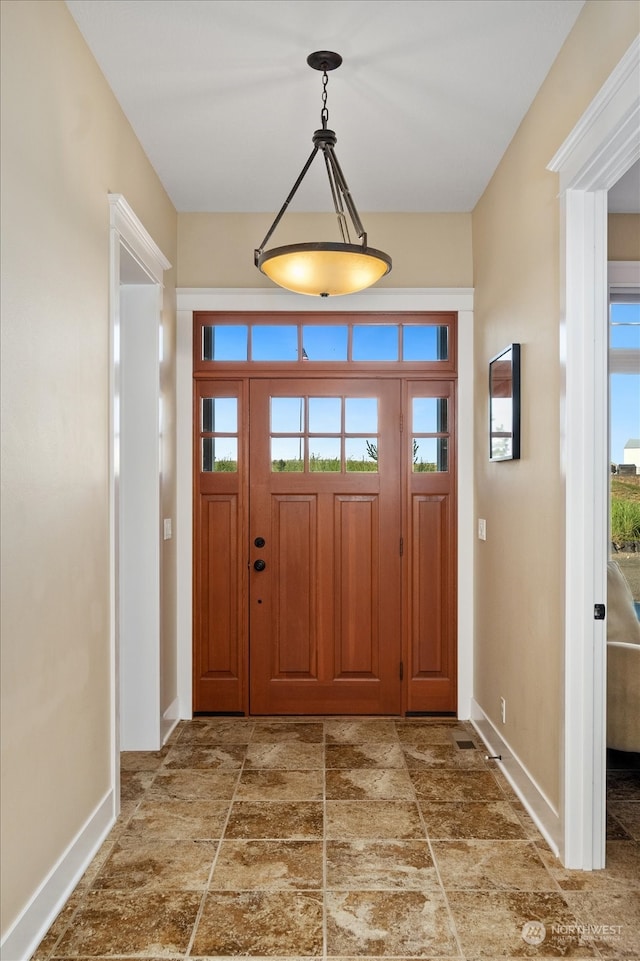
x=427, y=99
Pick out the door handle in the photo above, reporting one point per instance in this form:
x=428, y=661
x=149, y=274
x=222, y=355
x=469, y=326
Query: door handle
x=259, y=565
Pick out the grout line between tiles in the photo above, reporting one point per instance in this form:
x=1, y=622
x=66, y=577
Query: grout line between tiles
x=223, y=830
x=324, y=842
x=436, y=868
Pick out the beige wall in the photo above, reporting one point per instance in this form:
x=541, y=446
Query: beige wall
x=520, y=580
x=624, y=236
x=427, y=250
x=65, y=146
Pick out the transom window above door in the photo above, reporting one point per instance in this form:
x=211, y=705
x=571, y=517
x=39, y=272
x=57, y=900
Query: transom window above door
x=327, y=339
x=330, y=342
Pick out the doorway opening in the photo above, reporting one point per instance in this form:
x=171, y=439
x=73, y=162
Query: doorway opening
x=623, y=572
x=600, y=149
x=325, y=514
x=136, y=283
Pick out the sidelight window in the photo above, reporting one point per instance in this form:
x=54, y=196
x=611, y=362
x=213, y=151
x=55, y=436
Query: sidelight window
x=430, y=420
x=219, y=434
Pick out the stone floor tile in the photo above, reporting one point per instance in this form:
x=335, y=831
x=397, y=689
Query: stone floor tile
x=131, y=923
x=191, y=785
x=481, y=819
x=531, y=830
x=365, y=865
x=157, y=865
x=352, y=820
x=179, y=820
x=260, y=924
x=284, y=755
x=447, y=785
x=205, y=757
x=472, y=864
x=495, y=924
x=372, y=754
x=422, y=734
x=369, y=923
x=133, y=784
x=280, y=785
x=434, y=756
x=308, y=732
x=612, y=918
x=297, y=820
x=142, y=760
x=268, y=865
x=217, y=730
x=626, y=815
x=369, y=784
x=623, y=785
x=622, y=870
x=360, y=731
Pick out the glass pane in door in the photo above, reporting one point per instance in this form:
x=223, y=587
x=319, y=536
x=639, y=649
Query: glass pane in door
x=324, y=454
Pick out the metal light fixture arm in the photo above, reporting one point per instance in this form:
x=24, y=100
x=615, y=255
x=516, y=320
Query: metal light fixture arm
x=280, y=214
x=324, y=140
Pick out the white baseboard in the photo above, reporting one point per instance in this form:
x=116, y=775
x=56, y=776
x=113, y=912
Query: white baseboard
x=169, y=720
x=541, y=810
x=24, y=936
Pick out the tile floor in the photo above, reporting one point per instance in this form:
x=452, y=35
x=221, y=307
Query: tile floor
x=346, y=839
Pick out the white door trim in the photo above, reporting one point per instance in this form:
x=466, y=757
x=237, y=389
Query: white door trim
x=190, y=300
x=130, y=245
x=601, y=148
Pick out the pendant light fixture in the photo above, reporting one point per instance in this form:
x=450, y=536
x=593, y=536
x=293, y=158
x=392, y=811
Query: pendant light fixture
x=320, y=268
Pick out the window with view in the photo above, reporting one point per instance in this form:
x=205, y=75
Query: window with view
x=624, y=438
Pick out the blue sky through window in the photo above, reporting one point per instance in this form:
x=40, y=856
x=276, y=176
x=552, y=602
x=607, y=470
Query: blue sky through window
x=325, y=342
x=624, y=411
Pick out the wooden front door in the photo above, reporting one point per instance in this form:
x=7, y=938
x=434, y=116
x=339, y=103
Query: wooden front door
x=324, y=540
x=324, y=515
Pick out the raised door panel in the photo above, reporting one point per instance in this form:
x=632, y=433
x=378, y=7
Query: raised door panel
x=357, y=599
x=430, y=621
x=218, y=654
x=294, y=531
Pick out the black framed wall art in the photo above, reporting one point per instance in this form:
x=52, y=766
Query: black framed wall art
x=504, y=404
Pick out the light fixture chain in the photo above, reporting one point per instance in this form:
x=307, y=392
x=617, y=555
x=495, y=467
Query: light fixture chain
x=324, y=113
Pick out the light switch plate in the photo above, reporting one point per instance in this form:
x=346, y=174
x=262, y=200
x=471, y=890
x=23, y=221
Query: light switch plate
x=482, y=529
x=167, y=528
